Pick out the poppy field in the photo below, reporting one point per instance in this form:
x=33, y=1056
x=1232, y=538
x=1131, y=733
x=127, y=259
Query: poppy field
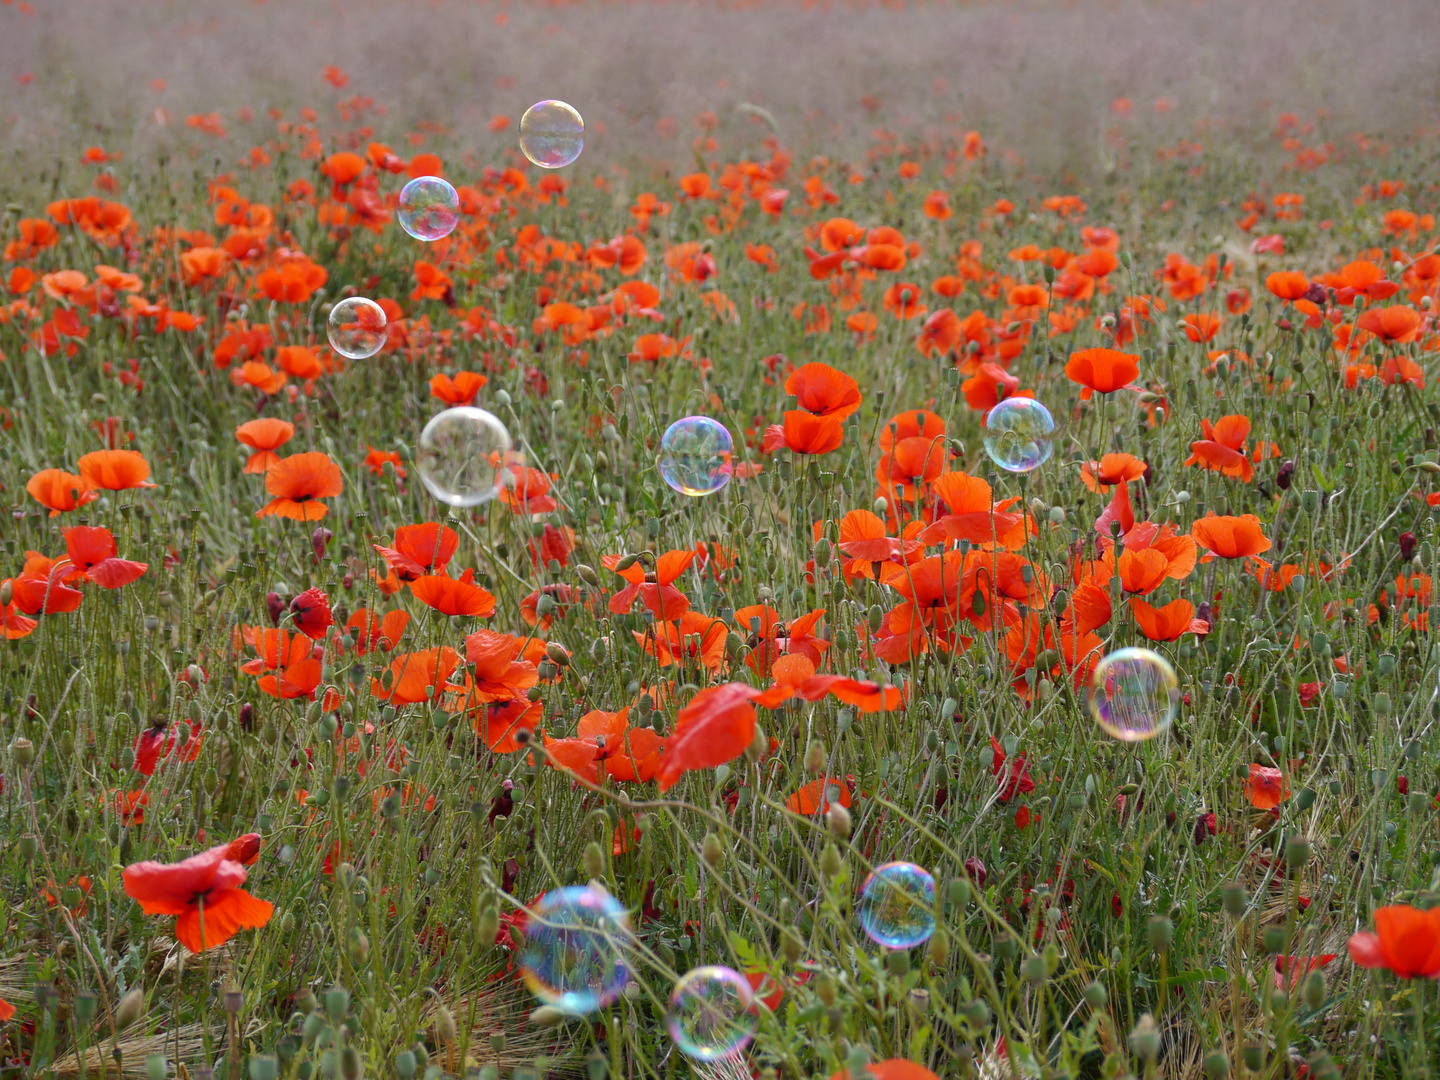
x=739, y=605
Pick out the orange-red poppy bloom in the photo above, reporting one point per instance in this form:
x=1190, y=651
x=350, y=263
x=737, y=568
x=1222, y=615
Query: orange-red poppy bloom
x=805, y=433
x=1406, y=941
x=419, y=549
x=454, y=596
x=60, y=491
x=903, y=300
x=418, y=676
x=864, y=540
x=716, y=727
x=655, y=590
x=1169, y=622
x=94, y=555
x=1202, y=325
x=1118, y=468
x=297, y=481
x=460, y=390
x=912, y=450
x=500, y=674
x=1288, y=285
x=823, y=391
x=1266, y=788
x=1223, y=448
x=1102, y=371
x=204, y=894
x=115, y=470
x=1230, y=537
x=964, y=511
x=1397, y=325
x=264, y=436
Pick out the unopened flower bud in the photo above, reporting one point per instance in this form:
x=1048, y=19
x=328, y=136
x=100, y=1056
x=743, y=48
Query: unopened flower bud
x=826, y=990
x=791, y=946
x=557, y=654
x=939, y=948
x=822, y=552
x=594, y=860
x=1217, y=1064
x=758, y=745
x=838, y=818
x=830, y=863
x=712, y=851
x=7, y=593
x=1314, y=992
x=130, y=1009
x=815, y=757
x=445, y=1032
x=546, y=1016
x=1160, y=932
x=1234, y=898
x=1145, y=1039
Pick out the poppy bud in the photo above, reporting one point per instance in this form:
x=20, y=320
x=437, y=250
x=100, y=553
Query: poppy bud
x=22, y=751
x=975, y=871
x=939, y=948
x=881, y=506
x=154, y=1067
x=898, y=963
x=875, y=618
x=318, y=539
x=1160, y=932
x=826, y=990
x=594, y=860
x=1145, y=1039
x=1096, y=995
x=711, y=851
x=405, y=1064
x=599, y=649
x=359, y=946
x=815, y=757
x=587, y=574
x=130, y=1009
x=838, y=819
x=556, y=652
x=830, y=863
x=1273, y=939
x=445, y=1031
x=275, y=606
x=1314, y=992
x=7, y=593
x=1217, y=1064
x=1285, y=475
x=1407, y=545
x=626, y=562
x=977, y=1013
x=758, y=746
x=792, y=947
x=1049, y=274
x=1297, y=852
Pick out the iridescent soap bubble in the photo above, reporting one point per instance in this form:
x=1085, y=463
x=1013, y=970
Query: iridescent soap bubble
x=552, y=134
x=357, y=328
x=1019, y=434
x=1134, y=694
x=897, y=905
x=573, y=954
x=429, y=208
x=464, y=456
x=712, y=1013
x=695, y=456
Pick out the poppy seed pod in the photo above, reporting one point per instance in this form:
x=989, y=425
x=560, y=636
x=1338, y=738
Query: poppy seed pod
x=1217, y=1064
x=22, y=752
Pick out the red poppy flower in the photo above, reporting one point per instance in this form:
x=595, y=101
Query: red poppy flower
x=1406, y=941
x=419, y=549
x=654, y=590
x=1223, y=448
x=297, y=481
x=311, y=612
x=1266, y=788
x=115, y=470
x=823, y=391
x=716, y=727
x=60, y=491
x=460, y=390
x=204, y=894
x=1230, y=537
x=92, y=551
x=454, y=596
x=264, y=436
x=1102, y=371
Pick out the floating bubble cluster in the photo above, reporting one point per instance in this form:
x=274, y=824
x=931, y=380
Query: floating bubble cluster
x=357, y=328
x=897, y=905
x=464, y=456
x=1134, y=694
x=552, y=134
x=712, y=1013
x=429, y=208
x=573, y=955
x=695, y=456
x=1019, y=434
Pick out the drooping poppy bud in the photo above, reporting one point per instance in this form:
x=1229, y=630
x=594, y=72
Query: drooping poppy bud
x=318, y=539
x=1407, y=546
x=275, y=606
x=1286, y=474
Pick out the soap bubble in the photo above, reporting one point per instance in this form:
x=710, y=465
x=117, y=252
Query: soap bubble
x=711, y=1013
x=429, y=208
x=695, y=456
x=897, y=905
x=552, y=134
x=357, y=328
x=464, y=456
x=1134, y=694
x=572, y=956
x=1018, y=434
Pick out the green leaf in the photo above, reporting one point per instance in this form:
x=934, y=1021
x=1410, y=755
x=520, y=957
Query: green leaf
x=745, y=953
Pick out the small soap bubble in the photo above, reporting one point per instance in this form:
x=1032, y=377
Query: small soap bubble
x=695, y=456
x=429, y=208
x=712, y=1013
x=1134, y=694
x=357, y=328
x=552, y=134
x=1019, y=434
x=464, y=456
x=897, y=905
x=573, y=954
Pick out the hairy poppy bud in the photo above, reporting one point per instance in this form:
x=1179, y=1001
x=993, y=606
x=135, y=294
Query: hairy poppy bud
x=7, y=593
x=712, y=851
x=1407, y=545
x=791, y=946
x=838, y=818
x=1145, y=1039
x=587, y=574
x=1096, y=995
x=359, y=946
x=815, y=757
x=130, y=1008
x=1217, y=1064
x=445, y=1032
x=758, y=745
x=1297, y=852
x=557, y=654
x=405, y=1064
x=1314, y=990
x=626, y=562
x=1285, y=475
x=830, y=862
x=1160, y=932
x=898, y=963
x=939, y=948
x=594, y=860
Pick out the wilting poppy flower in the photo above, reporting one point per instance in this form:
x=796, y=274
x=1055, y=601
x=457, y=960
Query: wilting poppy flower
x=654, y=590
x=1102, y=371
x=1266, y=788
x=115, y=470
x=264, y=436
x=204, y=894
x=1230, y=537
x=1406, y=941
x=823, y=391
x=60, y=491
x=297, y=481
x=716, y=727
x=1290, y=971
x=93, y=553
